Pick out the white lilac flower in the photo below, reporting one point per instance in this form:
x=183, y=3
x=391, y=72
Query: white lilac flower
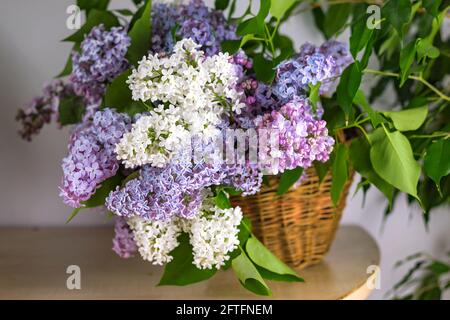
x=192, y=92
x=214, y=235
x=155, y=239
x=153, y=139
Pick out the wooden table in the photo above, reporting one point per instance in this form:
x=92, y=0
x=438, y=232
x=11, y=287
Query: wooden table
x=33, y=264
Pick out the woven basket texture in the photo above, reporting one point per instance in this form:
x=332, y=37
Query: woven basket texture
x=298, y=226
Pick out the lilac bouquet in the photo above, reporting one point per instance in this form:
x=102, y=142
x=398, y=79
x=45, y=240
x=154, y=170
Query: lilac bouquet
x=171, y=113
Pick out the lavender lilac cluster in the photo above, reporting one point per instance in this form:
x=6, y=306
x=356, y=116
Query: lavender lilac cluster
x=43, y=109
x=179, y=188
x=91, y=157
x=302, y=138
x=311, y=65
x=123, y=242
x=102, y=58
x=194, y=20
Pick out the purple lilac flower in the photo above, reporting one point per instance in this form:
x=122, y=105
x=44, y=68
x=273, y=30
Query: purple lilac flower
x=302, y=138
x=294, y=75
x=109, y=126
x=341, y=56
x=43, y=109
x=179, y=188
x=123, y=242
x=194, y=20
x=159, y=194
x=164, y=19
x=243, y=177
x=311, y=65
x=102, y=58
x=91, y=157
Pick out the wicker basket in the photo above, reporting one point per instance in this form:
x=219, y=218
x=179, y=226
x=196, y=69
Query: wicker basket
x=298, y=226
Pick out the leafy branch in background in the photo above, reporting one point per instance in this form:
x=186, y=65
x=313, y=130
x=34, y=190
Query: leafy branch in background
x=428, y=279
x=260, y=36
x=409, y=138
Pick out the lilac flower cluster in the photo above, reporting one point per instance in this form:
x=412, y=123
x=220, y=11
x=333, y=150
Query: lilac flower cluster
x=313, y=64
x=102, y=58
x=179, y=188
x=194, y=20
x=302, y=138
x=91, y=157
x=123, y=242
x=294, y=75
x=43, y=109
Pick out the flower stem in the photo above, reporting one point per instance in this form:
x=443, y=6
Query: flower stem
x=416, y=78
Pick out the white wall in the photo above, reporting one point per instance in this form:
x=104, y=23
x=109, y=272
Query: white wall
x=30, y=172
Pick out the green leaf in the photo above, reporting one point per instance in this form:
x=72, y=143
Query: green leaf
x=71, y=110
x=409, y=119
x=130, y=177
x=98, y=198
x=263, y=9
x=124, y=12
x=88, y=5
x=245, y=228
x=68, y=67
x=246, y=38
x=322, y=168
x=319, y=18
x=431, y=293
x=392, y=158
x=255, y=25
x=406, y=59
x=249, y=276
x=437, y=161
x=368, y=51
x=118, y=94
x=180, y=271
x=398, y=13
x=73, y=214
x=264, y=69
x=288, y=179
x=95, y=18
x=279, y=7
x=438, y=267
x=221, y=200
x=348, y=87
x=231, y=46
x=314, y=95
x=250, y=26
x=340, y=172
x=261, y=256
x=360, y=33
x=136, y=16
x=221, y=4
x=140, y=35
x=425, y=49
x=359, y=154
x=375, y=118
x=335, y=19
x=268, y=275
x=432, y=6
x=286, y=47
